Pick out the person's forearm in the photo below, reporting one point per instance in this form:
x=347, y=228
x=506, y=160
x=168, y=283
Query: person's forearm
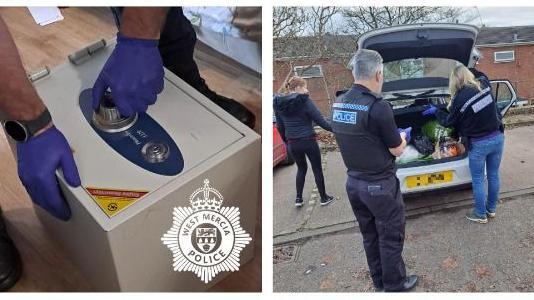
x=317, y=117
x=323, y=123
x=399, y=149
x=18, y=98
x=143, y=22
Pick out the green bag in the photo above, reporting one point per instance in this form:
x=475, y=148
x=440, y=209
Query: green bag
x=434, y=131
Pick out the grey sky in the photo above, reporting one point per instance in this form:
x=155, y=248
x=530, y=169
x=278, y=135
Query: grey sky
x=504, y=16
x=489, y=16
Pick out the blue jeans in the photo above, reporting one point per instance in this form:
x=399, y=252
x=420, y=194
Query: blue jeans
x=486, y=154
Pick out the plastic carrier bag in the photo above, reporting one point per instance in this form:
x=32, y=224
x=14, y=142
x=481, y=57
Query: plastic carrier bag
x=449, y=148
x=435, y=132
x=423, y=145
x=408, y=155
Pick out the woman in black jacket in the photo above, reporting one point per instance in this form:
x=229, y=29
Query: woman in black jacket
x=473, y=113
x=295, y=114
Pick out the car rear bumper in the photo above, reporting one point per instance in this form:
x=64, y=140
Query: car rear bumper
x=460, y=169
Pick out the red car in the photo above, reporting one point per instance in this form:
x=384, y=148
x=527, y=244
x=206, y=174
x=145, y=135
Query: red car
x=280, y=153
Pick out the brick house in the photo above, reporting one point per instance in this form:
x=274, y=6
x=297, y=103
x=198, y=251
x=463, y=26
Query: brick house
x=508, y=53
x=327, y=76
x=326, y=72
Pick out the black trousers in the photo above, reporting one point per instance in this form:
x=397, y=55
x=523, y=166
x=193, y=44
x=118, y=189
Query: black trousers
x=379, y=210
x=300, y=149
x=176, y=46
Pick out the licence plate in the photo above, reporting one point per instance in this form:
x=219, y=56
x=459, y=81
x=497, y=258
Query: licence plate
x=428, y=179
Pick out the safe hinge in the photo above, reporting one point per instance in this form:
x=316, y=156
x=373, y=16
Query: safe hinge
x=42, y=73
x=84, y=54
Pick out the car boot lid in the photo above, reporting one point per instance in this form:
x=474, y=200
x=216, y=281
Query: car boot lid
x=452, y=41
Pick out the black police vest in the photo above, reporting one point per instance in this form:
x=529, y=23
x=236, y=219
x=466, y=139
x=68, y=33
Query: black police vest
x=363, y=152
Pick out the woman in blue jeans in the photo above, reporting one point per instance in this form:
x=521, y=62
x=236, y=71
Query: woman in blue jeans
x=474, y=115
x=295, y=114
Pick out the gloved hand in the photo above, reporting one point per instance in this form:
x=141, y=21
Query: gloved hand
x=431, y=110
x=407, y=132
x=38, y=159
x=134, y=74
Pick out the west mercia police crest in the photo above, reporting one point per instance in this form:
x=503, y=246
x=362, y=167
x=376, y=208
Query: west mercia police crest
x=206, y=238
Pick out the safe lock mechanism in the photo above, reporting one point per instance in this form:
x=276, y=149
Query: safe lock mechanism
x=108, y=118
x=138, y=138
x=155, y=152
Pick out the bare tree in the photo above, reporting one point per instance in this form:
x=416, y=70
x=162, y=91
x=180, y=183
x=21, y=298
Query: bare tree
x=361, y=19
x=321, y=17
x=303, y=31
x=313, y=38
x=320, y=25
x=288, y=21
x=289, y=24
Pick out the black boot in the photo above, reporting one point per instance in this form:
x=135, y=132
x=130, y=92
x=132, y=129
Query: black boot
x=409, y=283
x=10, y=263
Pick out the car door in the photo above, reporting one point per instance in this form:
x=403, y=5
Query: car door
x=279, y=148
x=504, y=94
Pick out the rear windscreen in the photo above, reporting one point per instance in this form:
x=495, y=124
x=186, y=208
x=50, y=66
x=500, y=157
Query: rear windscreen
x=412, y=68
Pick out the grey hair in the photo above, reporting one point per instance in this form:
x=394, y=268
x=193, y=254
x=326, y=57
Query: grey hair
x=365, y=64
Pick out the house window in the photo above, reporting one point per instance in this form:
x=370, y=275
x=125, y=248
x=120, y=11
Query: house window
x=309, y=71
x=504, y=56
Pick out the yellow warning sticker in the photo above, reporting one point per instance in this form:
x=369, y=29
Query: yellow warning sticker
x=112, y=201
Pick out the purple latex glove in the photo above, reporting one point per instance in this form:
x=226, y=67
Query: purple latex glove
x=431, y=110
x=38, y=159
x=133, y=73
x=408, y=132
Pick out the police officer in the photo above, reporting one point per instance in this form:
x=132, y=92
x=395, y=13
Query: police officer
x=473, y=113
x=369, y=141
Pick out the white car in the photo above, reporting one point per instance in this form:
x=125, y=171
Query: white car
x=520, y=103
x=417, y=62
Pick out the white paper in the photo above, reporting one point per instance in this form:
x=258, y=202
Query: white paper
x=45, y=15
